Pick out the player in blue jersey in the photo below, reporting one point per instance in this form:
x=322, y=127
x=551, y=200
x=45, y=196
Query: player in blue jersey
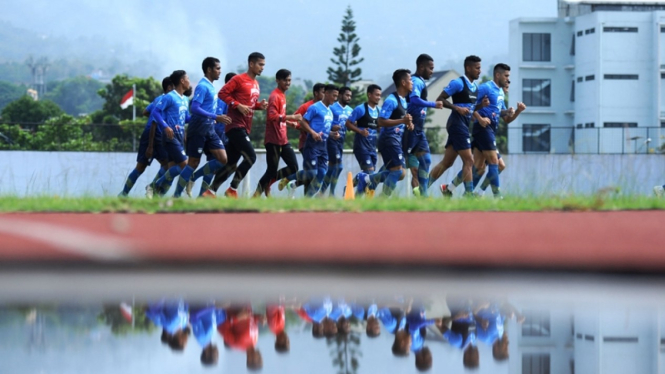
x=487, y=122
x=463, y=92
x=490, y=320
x=416, y=147
x=416, y=325
x=341, y=112
x=393, y=320
x=204, y=323
x=659, y=191
x=201, y=135
x=150, y=146
x=462, y=331
x=317, y=122
x=364, y=123
x=222, y=109
x=173, y=317
x=171, y=114
x=393, y=121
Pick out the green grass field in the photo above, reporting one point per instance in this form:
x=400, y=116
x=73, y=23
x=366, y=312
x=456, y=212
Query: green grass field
x=165, y=205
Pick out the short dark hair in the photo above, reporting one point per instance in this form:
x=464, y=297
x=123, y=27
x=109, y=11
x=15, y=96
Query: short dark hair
x=423, y=59
x=424, y=359
x=342, y=90
x=331, y=87
x=209, y=62
x=255, y=56
x=176, y=76
x=318, y=87
x=470, y=60
x=228, y=77
x=399, y=75
x=166, y=82
x=282, y=74
x=501, y=68
x=372, y=87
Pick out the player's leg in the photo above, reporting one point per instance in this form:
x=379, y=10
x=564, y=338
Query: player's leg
x=502, y=166
x=248, y=159
x=273, y=152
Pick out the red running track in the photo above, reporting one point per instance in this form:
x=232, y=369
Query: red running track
x=627, y=240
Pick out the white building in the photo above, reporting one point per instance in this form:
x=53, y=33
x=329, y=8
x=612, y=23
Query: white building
x=592, y=79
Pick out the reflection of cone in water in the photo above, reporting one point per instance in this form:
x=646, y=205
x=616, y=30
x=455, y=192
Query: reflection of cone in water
x=349, y=192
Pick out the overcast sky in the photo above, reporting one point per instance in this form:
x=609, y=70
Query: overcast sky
x=294, y=34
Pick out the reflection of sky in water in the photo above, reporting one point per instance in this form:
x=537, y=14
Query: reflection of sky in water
x=595, y=338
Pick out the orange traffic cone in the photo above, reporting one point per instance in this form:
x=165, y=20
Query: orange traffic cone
x=350, y=191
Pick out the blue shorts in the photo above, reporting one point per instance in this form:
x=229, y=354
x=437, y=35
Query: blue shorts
x=458, y=137
x=484, y=140
x=415, y=141
x=175, y=152
x=335, y=148
x=158, y=151
x=366, y=158
x=198, y=143
x=314, y=157
x=391, y=153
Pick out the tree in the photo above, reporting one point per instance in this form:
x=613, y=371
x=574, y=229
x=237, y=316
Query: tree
x=146, y=91
x=77, y=95
x=346, y=55
x=27, y=110
x=10, y=92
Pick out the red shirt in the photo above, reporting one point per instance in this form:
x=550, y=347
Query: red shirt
x=275, y=123
x=303, y=314
x=244, y=90
x=240, y=334
x=303, y=135
x=276, y=318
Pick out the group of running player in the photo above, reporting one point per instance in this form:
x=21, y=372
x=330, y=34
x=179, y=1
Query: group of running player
x=469, y=323
x=218, y=125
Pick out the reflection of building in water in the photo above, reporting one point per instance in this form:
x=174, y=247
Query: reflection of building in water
x=606, y=340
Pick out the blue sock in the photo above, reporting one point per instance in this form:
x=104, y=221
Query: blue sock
x=458, y=179
x=185, y=175
x=424, y=163
x=211, y=167
x=378, y=177
x=493, y=176
x=205, y=184
x=468, y=187
x=163, y=184
x=327, y=179
x=486, y=183
x=129, y=183
x=317, y=180
x=476, y=177
x=160, y=174
x=391, y=182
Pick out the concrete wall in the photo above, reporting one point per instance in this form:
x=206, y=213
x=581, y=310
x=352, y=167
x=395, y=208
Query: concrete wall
x=25, y=173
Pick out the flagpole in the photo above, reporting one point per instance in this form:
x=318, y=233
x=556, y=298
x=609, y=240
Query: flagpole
x=133, y=320
x=133, y=120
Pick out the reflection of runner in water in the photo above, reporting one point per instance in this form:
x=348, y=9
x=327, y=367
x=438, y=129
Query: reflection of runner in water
x=315, y=311
x=276, y=318
x=204, y=322
x=462, y=331
x=173, y=317
x=490, y=327
x=241, y=331
x=416, y=325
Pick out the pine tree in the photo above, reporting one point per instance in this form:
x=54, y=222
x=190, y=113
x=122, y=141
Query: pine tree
x=346, y=55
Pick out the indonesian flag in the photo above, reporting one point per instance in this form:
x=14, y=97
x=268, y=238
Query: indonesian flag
x=127, y=100
x=126, y=311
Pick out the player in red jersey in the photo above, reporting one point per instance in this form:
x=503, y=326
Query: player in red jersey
x=276, y=141
x=276, y=317
x=241, y=332
x=241, y=94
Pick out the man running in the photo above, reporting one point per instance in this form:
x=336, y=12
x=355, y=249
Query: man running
x=341, y=111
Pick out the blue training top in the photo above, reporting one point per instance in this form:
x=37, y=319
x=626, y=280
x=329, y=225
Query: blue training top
x=204, y=323
x=390, y=105
x=497, y=103
x=340, y=115
x=494, y=330
x=361, y=143
x=174, y=110
x=418, y=103
x=222, y=109
x=319, y=117
x=149, y=109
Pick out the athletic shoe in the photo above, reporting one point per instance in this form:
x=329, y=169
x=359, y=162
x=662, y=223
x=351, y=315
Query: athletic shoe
x=282, y=183
x=122, y=194
x=416, y=191
x=659, y=191
x=209, y=193
x=267, y=191
x=445, y=191
x=231, y=193
x=291, y=189
x=369, y=193
x=188, y=189
x=149, y=191
x=362, y=183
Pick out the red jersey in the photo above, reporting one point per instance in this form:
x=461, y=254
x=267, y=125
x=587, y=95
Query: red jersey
x=275, y=123
x=240, y=334
x=276, y=318
x=303, y=135
x=244, y=90
x=303, y=314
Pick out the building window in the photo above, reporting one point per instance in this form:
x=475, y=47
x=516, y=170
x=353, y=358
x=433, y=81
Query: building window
x=622, y=76
x=662, y=29
x=535, y=363
x=536, y=138
x=536, y=47
x=619, y=29
x=572, y=46
x=589, y=125
x=580, y=33
x=590, y=31
x=662, y=124
x=572, y=92
x=589, y=77
x=619, y=124
x=579, y=126
x=580, y=79
x=536, y=92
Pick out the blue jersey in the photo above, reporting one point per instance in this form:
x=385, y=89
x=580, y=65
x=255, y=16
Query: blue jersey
x=358, y=113
x=318, y=310
x=418, y=112
x=170, y=315
x=205, y=95
x=149, y=108
x=319, y=117
x=416, y=321
x=497, y=103
x=340, y=115
x=174, y=110
x=222, y=109
x=457, y=340
x=204, y=324
x=456, y=86
x=342, y=309
x=389, y=106
x=390, y=320
x=494, y=330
